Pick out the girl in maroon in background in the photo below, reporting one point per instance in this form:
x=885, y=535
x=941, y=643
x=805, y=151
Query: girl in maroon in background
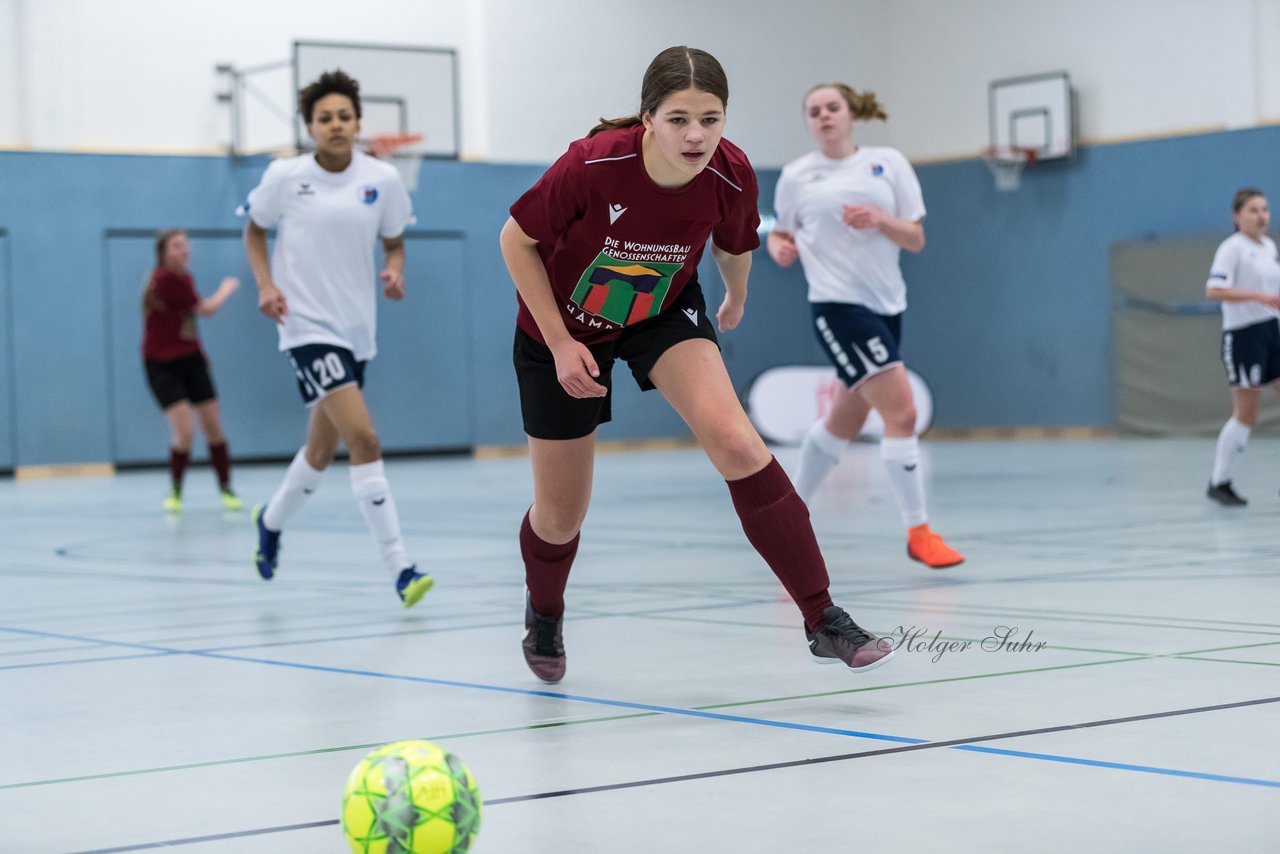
x=604, y=251
x=177, y=368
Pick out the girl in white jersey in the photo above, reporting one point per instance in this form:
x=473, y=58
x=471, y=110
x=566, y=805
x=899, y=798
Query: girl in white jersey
x=847, y=212
x=1245, y=278
x=329, y=208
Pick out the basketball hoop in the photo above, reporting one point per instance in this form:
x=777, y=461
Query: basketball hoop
x=398, y=148
x=1006, y=164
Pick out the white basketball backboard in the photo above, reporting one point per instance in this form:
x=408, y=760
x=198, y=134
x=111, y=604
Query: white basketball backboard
x=1036, y=112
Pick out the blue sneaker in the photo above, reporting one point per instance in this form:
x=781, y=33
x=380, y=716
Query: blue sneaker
x=268, y=545
x=413, y=585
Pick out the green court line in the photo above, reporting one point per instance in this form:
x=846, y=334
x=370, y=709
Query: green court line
x=528, y=727
x=943, y=637
x=1090, y=614
x=1227, y=660
x=1191, y=656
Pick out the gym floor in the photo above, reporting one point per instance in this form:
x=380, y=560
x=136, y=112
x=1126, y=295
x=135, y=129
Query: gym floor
x=1102, y=674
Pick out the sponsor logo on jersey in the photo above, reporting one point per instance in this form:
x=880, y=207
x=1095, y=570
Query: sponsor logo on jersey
x=877, y=170
x=615, y=211
x=621, y=292
x=368, y=194
x=304, y=189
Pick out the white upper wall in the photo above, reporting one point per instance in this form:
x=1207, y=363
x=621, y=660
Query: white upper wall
x=138, y=74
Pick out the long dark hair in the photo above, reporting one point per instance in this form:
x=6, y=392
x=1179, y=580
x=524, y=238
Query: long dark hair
x=149, y=301
x=673, y=70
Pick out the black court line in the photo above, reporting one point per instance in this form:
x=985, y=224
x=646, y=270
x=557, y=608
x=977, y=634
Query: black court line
x=214, y=837
x=962, y=743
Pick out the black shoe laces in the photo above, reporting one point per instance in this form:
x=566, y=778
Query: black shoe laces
x=544, y=637
x=845, y=628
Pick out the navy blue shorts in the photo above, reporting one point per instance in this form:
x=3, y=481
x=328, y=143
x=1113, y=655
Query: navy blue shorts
x=323, y=369
x=1252, y=355
x=548, y=410
x=859, y=342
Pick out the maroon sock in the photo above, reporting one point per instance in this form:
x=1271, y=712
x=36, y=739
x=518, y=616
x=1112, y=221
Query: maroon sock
x=546, y=569
x=178, y=466
x=776, y=522
x=221, y=459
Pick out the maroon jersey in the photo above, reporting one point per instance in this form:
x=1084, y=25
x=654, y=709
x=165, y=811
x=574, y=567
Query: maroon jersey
x=617, y=247
x=169, y=326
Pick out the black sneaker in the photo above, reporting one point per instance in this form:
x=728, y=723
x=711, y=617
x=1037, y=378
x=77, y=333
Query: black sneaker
x=543, y=645
x=841, y=640
x=1225, y=495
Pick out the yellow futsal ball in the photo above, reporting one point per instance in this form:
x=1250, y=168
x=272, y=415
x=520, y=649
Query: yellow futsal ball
x=411, y=797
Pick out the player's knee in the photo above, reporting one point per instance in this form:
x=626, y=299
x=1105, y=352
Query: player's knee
x=740, y=448
x=902, y=422
x=560, y=524
x=365, y=445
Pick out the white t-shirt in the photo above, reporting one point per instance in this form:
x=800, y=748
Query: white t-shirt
x=323, y=261
x=844, y=264
x=1248, y=266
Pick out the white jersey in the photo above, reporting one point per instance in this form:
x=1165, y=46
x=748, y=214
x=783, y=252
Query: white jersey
x=323, y=262
x=844, y=264
x=1244, y=264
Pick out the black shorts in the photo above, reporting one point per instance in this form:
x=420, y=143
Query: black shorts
x=323, y=369
x=550, y=413
x=180, y=379
x=859, y=342
x=1252, y=354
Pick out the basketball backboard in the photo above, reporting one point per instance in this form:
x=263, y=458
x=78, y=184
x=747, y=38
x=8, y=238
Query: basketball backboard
x=403, y=89
x=1033, y=112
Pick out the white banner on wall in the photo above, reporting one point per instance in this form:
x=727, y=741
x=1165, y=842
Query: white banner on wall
x=784, y=402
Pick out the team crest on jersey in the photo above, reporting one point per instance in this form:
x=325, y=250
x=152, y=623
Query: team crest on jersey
x=623, y=292
x=877, y=170
x=368, y=194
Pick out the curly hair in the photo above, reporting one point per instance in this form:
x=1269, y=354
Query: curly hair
x=336, y=82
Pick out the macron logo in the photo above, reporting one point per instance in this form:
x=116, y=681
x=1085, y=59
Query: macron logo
x=615, y=211
x=692, y=314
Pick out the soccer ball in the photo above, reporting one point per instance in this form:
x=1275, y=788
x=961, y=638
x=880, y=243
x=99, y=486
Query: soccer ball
x=411, y=797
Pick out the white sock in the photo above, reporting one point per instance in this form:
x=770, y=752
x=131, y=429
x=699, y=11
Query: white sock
x=819, y=454
x=1231, y=444
x=373, y=494
x=902, y=462
x=299, y=482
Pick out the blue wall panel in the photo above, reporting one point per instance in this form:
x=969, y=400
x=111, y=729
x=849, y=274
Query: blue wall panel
x=1009, y=318
x=6, y=357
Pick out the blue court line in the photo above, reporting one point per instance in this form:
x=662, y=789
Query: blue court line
x=1122, y=766
x=680, y=712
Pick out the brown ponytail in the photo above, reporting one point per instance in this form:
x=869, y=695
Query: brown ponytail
x=150, y=302
x=862, y=105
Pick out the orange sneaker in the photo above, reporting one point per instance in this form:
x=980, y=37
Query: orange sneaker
x=928, y=548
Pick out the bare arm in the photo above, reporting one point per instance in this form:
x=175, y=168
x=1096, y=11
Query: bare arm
x=270, y=301
x=575, y=366
x=908, y=234
x=392, y=274
x=734, y=269
x=209, y=306
x=1233, y=295
x=782, y=247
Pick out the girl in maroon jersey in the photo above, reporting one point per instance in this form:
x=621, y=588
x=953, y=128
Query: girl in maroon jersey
x=177, y=368
x=604, y=251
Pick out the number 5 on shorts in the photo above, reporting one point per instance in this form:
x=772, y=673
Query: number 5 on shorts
x=878, y=351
